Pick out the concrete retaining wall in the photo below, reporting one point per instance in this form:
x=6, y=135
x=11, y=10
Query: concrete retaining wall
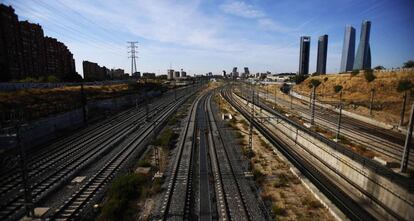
x=46, y=129
x=376, y=189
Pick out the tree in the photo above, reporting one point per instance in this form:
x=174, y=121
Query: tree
x=52, y=79
x=370, y=77
x=404, y=86
x=379, y=67
x=314, y=83
x=337, y=89
x=409, y=64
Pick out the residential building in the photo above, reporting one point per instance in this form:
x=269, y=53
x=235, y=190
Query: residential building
x=304, y=55
x=10, y=47
x=363, y=56
x=322, y=54
x=348, y=49
x=93, y=72
x=148, y=75
x=25, y=52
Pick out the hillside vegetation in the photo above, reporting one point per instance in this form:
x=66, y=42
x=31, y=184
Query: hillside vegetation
x=356, y=93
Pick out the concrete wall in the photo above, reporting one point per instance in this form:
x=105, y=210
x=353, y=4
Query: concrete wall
x=13, y=86
x=46, y=129
x=384, y=192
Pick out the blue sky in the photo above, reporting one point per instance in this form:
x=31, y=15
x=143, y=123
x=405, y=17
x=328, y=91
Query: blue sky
x=214, y=35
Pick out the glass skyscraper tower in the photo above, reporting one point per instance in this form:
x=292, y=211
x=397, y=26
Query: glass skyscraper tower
x=304, y=55
x=363, y=56
x=348, y=50
x=322, y=54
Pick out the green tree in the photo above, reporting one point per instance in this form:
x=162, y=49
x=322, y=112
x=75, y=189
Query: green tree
x=354, y=72
x=370, y=77
x=52, y=79
x=409, y=64
x=379, y=67
x=403, y=87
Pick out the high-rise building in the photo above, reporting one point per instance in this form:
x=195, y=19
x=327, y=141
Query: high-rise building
x=170, y=74
x=348, y=50
x=304, y=55
x=322, y=54
x=183, y=74
x=246, y=72
x=177, y=74
x=234, y=73
x=363, y=56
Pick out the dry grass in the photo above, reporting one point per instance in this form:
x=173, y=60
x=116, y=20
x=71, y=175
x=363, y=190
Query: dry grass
x=356, y=93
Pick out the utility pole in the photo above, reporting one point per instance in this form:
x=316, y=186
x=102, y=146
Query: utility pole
x=406, y=153
x=83, y=102
x=251, y=127
x=340, y=116
x=275, y=95
x=133, y=50
x=28, y=200
x=313, y=105
x=146, y=107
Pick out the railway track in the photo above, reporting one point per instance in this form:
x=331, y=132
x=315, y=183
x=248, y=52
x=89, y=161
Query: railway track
x=50, y=171
x=73, y=207
x=232, y=198
x=347, y=205
x=381, y=141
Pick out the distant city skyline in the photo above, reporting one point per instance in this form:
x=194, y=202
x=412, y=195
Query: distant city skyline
x=204, y=36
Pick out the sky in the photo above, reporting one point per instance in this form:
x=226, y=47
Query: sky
x=213, y=35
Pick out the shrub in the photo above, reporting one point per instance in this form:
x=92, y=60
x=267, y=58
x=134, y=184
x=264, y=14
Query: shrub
x=122, y=190
x=166, y=138
x=144, y=163
x=354, y=72
x=278, y=210
x=258, y=176
x=369, y=75
x=299, y=78
x=283, y=181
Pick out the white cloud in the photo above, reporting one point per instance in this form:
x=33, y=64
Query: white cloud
x=271, y=25
x=242, y=9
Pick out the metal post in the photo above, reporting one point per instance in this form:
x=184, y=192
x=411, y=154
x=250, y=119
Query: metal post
x=25, y=175
x=275, y=95
x=83, y=102
x=406, y=153
x=313, y=105
x=403, y=109
x=290, y=100
x=340, y=116
x=251, y=126
x=310, y=99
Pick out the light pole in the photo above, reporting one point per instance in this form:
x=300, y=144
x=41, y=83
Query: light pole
x=340, y=117
x=406, y=153
x=25, y=174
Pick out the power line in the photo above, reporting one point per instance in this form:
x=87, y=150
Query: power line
x=133, y=48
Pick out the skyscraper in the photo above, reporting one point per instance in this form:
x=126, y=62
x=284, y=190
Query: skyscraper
x=322, y=54
x=363, y=56
x=304, y=55
x=348, y=50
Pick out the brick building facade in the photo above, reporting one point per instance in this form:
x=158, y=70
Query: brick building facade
x=26, y=52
